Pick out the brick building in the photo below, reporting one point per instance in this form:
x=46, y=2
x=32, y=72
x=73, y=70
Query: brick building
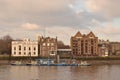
x=84, y=45
x=47, y=46
x=115, y=48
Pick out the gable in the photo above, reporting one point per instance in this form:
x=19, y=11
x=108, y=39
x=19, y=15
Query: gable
x=91, y=35
x=78, y=35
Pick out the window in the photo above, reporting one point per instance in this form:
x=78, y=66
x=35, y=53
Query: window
x=43, y=44
x=52, y=48
x=24, y=48
x=14, y=53
x=44, y=52
x=54, y=40
x=52, y=53
x=29, y=48
x=19, y=53
x=29, y=53
x=34, y=53
x=48, y=44
x=34, y=48
x=24, y=53
x=86, y=49
x=14, y=48
x=52, y=44
x=19, y=47
x=95, y=41
x=43, y=48
x=48, y=40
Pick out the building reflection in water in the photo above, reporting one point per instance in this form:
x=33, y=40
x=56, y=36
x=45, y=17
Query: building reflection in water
x=103, y=72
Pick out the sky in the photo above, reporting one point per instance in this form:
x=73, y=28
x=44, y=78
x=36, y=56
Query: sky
x=62, y=18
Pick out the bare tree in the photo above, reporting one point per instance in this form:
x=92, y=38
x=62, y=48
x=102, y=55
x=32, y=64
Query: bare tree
x=61, y=45
x=5, y=44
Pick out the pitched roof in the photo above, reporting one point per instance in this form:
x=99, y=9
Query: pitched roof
x=78, y=34
x=91, y=34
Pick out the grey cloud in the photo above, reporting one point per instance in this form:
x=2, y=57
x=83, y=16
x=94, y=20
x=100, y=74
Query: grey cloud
x=86, y=19
x=49, y=13
x=44, y=12
x=107, y=8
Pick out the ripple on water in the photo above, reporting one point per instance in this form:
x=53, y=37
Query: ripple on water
x=103, y=72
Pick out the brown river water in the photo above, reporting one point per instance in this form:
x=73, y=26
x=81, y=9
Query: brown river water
x=94, y=72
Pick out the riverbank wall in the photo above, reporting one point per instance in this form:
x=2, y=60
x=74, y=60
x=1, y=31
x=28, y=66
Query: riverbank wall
x=93, y=60
x=7, y=57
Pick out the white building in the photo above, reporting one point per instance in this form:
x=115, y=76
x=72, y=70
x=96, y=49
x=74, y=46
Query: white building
x=25, y=48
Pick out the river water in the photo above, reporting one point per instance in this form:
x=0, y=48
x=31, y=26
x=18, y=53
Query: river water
x=95, y=72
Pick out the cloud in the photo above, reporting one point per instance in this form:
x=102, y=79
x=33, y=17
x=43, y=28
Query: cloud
x=108, y=29
x=43, y=12
x=27, y=5
x=30, y=26
x=62, y=18
x=109, y=8
x=86, y=18
x=64, y=33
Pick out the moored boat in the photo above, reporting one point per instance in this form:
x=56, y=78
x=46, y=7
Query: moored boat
x=31, y=63
x=84, y=63
x=49, y=62
x=17, y=63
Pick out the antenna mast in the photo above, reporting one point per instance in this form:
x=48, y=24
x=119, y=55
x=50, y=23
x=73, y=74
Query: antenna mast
x=44, y=31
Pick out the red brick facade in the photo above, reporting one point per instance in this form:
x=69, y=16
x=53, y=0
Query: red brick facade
x=84, y=45
x=48, y=47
